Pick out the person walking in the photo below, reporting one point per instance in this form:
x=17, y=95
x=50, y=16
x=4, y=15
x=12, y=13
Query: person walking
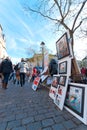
x=23, y=66
x=6, y=69
x=53, y=67
x=17, y=73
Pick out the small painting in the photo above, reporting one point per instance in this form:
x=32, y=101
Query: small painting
x=55, y=81
x=62, y=80
x=63, y=67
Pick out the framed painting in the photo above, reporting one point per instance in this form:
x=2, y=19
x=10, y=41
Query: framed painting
x=60, y=90
x=63, y=67
x=62, y=47
x=75, y=99
x=54, y=85
x=35, y=83
x=61, y=93
x=55, y=81
x=62, y=80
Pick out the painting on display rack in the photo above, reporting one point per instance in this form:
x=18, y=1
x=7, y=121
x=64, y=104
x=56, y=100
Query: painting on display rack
x=62, y=80
x=35, y=83
x=75, y=99
x=62, y=47
x=61, y=92
x=63, y=67
x=54, y=86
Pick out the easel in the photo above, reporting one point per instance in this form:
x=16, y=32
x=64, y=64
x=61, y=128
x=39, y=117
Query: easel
x=76, y=75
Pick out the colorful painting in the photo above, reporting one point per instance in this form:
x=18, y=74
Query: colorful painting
x=35, y=83
x=62, y=80
x=63, y=67
x=60, y=90
x=57, y=100
x=55, y=81
x=62, y=47
x=75, y=99
x=52, y=92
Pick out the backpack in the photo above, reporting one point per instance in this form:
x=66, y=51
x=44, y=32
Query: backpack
x=16, y=67
x=53, y=67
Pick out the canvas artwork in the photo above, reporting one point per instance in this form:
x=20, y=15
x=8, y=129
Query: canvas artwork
x=60, y=90
x=57, y=100
x=55, y=81
x=54, y=85
x=75, y=99
x=62, y=80
x=35, y=83
x=52, y=92
x=62, y=47
x=63, y=67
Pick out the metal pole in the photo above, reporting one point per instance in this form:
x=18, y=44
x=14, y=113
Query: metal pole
x=43, y=57
x=42, y=45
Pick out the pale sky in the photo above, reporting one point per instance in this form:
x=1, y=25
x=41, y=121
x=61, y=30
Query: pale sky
x=25, y=30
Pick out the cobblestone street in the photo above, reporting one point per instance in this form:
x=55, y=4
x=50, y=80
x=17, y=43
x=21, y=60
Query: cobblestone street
x=21, y=108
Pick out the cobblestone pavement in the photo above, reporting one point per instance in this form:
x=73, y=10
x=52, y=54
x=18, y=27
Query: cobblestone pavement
x=21, y=108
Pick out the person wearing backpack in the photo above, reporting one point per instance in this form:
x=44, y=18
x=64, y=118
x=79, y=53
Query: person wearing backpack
x=53, y=67
x=6, y=70
x=23, y=66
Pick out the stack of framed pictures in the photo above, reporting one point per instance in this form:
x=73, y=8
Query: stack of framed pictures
x=64, y=54
x=72, y=96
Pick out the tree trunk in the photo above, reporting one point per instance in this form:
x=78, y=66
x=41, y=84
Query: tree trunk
x=74, y=66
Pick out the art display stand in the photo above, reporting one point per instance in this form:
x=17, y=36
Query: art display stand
x=65, y=55
x=71, y=96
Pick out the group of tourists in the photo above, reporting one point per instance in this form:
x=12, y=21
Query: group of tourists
x=9, y=71
x=18, y=73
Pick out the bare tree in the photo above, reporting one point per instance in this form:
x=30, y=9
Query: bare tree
x=66, y=14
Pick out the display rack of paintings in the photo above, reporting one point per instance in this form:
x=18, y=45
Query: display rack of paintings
x=72, y=96
x=64, y=54
x=75, y=101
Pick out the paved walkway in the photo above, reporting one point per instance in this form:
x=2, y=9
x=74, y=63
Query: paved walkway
x=21, y=108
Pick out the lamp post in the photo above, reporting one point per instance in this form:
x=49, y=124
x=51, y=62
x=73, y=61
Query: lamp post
x=42, y=46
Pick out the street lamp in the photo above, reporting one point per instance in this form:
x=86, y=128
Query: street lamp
x=42, y=46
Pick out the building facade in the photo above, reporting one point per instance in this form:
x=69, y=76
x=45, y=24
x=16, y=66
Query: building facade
x=3, y=52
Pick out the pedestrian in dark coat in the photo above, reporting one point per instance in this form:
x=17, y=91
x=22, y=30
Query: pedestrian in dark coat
x=6, y=69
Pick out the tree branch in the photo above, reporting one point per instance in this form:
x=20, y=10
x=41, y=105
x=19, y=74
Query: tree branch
x=38, y=12
x=83, y=4
x=59, y=8
x=77, y=26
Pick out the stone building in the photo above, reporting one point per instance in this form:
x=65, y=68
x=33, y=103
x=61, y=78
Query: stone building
x=36, y=60
x=3, y=52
